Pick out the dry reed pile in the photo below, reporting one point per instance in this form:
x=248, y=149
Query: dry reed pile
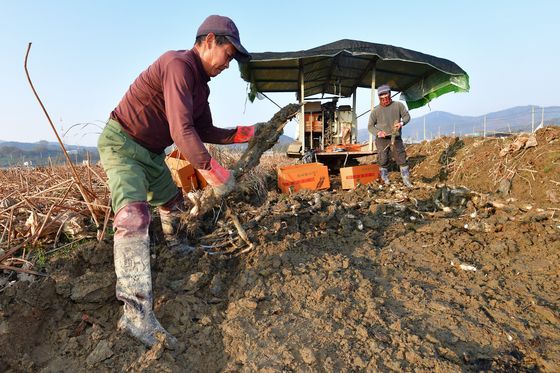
x=43, y=210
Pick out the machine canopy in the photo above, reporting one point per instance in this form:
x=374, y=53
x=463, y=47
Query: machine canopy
x=341, y=67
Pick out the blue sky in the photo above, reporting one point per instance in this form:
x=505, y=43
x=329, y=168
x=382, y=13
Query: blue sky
x=85, y=54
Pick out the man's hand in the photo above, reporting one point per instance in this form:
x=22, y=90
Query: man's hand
x=221, y=179
x=397, y=126
x=243, y=134
x=381, y=134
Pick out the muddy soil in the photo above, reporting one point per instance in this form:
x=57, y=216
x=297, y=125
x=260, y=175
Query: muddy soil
x=438, y=278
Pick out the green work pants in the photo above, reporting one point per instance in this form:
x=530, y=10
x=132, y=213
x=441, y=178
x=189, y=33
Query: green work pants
x=135, y=173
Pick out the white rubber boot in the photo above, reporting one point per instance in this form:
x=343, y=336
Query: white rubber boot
x=134, y=277
x=384, y=175
x=134, y=288
x=405, y=174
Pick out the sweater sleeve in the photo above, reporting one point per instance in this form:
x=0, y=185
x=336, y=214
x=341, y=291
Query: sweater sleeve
x=405, y=116
x=178, y=82
x=372, y=122
x=211, y=134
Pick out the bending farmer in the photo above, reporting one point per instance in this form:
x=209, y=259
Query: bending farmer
x=166, y=104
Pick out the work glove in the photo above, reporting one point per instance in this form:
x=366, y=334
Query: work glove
x=221, y=179
x=244, y=134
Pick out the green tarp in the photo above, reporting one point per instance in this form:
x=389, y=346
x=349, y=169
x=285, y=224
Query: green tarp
x=339, y=68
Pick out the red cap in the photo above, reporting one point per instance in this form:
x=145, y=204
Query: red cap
x=220, y=25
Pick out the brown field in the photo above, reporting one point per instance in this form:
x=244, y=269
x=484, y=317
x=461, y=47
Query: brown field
x=458, y=274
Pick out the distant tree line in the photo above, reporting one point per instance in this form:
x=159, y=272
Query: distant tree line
x=41, y=155
x=44, y=153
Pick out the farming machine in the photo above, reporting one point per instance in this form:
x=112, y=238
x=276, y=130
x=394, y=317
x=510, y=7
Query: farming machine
x=323, y=76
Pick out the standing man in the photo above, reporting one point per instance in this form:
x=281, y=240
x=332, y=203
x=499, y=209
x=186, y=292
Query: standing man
x=166, y=104
x=386, y=121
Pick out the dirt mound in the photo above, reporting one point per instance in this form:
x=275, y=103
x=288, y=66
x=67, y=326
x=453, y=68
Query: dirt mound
x=524, y=167
x=438, y=278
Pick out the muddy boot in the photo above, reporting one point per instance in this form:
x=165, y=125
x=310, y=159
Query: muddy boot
x=385, y=175
x=173, y=231
x=134, y=278
x=405, y=174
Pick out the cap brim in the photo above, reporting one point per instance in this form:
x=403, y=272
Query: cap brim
x=242, y=55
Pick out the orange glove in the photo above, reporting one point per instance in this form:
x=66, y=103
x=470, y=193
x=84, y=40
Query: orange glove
x=220, y=178
x=244, y=134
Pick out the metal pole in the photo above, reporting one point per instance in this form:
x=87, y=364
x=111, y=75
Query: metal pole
x=354, y=123
x=542, y=117
x=372, y=104
x=301, y=95
x=532, y=119
x=484, y=133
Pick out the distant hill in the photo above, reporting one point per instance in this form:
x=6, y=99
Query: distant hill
x=439, y=123
x=45, y=145
x=14, y=153
x=285, y=140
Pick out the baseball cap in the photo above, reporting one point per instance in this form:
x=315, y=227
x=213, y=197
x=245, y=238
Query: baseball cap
x=383, y=89
x=224, y=26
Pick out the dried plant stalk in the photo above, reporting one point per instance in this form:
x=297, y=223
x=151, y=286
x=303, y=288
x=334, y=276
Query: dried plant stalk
x=85, y=193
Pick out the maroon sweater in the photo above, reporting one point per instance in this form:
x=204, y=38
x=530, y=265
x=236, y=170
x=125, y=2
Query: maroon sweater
x=168, y=103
